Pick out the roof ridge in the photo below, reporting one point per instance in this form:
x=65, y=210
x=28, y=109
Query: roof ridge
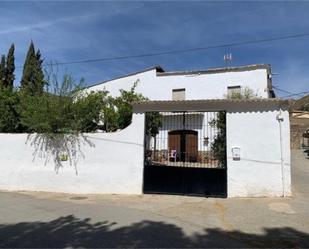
x=218, y=70
x=160, y=71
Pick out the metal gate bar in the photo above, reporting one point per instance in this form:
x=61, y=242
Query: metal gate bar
x=185, y=139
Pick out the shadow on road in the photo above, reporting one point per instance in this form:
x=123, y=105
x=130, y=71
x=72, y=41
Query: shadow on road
x=70, y=231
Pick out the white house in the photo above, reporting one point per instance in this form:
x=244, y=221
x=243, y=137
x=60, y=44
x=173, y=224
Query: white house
x=156, y=84
x=188, y=134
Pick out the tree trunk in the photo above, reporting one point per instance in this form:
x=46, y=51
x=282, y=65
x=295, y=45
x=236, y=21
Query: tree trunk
x=154, y=147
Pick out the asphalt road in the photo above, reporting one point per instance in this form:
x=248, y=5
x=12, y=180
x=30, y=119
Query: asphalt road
x=29, y=219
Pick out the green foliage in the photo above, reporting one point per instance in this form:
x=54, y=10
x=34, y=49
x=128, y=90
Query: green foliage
x=88, y=111
x=7, y=69
x=46, y=104
x=219, y=145
x=46, y=113
x=39, y=74
x=28, y=69
x=52, y=111
x=153, y=123
x=10, y=67
x=99, y=110
x=33, y=77
x=124, y=107
x=109, y=116
x=305, y=107
x=245, y=93
x=65, y=108
x=2, y=72
x=9, y=118
x=9, y=99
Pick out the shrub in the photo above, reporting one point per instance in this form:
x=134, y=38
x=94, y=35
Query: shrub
x=244, y=93
x=88, y=111
x=50, y=111
x=9, y=118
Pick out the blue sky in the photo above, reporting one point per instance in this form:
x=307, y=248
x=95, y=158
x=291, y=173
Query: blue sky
x=77, y=30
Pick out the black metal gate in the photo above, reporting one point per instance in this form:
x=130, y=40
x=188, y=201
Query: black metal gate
x=185, y=153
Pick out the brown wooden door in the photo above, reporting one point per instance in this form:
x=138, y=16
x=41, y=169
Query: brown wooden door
x=185, y=143
x=174, y=143
x=191, y=150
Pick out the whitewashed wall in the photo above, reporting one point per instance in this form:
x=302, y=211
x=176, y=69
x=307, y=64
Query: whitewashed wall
x=258, y=173
x=198, y=86
x=113, y=165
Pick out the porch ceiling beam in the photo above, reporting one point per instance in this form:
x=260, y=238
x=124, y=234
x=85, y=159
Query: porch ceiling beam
x=213, y=105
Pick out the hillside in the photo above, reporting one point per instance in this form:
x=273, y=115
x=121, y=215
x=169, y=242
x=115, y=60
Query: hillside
x=301, y=103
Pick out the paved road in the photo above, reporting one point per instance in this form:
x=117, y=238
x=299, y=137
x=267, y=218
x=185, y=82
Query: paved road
x=59, y=220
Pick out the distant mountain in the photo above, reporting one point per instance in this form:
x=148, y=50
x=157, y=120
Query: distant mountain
x=302, y=103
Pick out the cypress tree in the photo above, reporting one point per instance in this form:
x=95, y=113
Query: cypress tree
x=33, y=76
x=2, y=72
x=10, y=67
x=29, y=69
x=39, y=75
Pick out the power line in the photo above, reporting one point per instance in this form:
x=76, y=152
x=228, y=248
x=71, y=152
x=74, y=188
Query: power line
x=282, y=90
x=296, y=94
x=290, y=93
x=236, y=44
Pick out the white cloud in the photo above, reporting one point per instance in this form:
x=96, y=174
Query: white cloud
x=44, y=24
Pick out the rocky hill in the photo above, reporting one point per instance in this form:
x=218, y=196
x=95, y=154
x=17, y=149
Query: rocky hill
x=302, y=103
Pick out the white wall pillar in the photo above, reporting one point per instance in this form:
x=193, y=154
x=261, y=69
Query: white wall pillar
x=258, y=173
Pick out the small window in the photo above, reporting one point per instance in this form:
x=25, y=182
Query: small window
x=233, y=90
x=179, y=94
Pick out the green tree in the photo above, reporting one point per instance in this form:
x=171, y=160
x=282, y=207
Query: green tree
x=305, y=107
x=89, y=111
x=153, y=124
x=2, y=72
x=219, y=145
x=51, y=112
x=9, y=118
x=10, y=67
x=27, y=77
x=109, y=115
x=39, y=74
x=124, y=107
x=33, y=77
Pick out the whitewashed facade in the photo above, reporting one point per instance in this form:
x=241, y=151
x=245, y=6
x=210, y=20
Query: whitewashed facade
x=156, y=84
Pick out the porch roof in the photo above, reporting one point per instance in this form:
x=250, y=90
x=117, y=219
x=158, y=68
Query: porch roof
x=233, y=105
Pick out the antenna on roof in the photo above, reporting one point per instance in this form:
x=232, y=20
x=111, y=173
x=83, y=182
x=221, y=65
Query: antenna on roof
x=228, y=59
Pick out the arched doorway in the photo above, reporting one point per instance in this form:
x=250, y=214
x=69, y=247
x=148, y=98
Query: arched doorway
x=185, y=145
